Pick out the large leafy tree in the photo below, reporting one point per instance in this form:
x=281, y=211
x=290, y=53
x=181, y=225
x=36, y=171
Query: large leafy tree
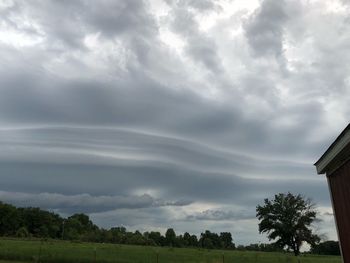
x=288, y=219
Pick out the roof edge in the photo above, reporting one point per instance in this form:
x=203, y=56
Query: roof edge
x=333, y=150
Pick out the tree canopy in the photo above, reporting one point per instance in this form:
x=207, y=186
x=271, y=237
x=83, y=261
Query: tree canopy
x=37, y=223
x=288, y=219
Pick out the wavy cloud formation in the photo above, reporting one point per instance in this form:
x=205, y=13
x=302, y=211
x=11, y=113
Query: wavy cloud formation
x=85, y=203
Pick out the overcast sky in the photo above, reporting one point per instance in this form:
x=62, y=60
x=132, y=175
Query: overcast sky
x=171, y=113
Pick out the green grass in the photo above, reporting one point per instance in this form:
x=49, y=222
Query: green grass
x=65, y=251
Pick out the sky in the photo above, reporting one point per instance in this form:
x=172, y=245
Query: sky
x=171, y=113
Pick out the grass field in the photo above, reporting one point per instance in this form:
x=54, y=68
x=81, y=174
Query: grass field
x=16, y=251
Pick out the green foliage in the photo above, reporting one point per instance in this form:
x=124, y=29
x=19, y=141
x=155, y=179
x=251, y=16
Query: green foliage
x=326, y=248
x=226, y=240
x=9, y=219
x=40, y=223
x=190, y=240
x=170, y=237
x=288, y=218
x=37, y=223
x=157, y=238
x=210, y=240
x=22, y=232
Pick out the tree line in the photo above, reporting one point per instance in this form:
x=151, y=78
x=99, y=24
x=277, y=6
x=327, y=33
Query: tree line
x=38, y=223
x=34, y=222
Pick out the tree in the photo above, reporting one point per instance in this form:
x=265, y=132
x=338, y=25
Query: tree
x=85, y=222
x=9, y=220
x=186, y=239
x=210, y=240
x=226, y=240
x=170, y=237
x=326, y=248
x=288, y=218
x=22, y=232
x=118, y=234
x=193, y=241
x=156, y=237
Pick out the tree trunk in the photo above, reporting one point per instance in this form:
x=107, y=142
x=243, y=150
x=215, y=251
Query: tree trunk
x=296, y=250
x=296, y=247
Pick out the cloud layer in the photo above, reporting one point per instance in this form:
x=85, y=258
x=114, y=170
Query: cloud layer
x=177, y=113
x=85, y=203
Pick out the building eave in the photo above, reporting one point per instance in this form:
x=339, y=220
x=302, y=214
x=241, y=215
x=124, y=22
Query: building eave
x=323, y=164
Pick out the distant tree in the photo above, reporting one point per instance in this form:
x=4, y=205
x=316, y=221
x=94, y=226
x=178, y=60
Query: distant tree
x=9, y=219
x=118, y=234
x=85, y=223
x=73, y=228
x=170, y=237
x=193, y=241
x=226, y=240
x=22, y=232
x=287, y=218
x=210, y=240
x=326, y=248
x=180, y=241
x=135, y=238
x=190, y=240
x=207, y=243
x=40, y=223
x=186, y=239
x=157, y=238
x=35, y=222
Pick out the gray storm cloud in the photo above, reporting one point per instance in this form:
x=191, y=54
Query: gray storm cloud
x=161, y=113
x=265, y=28
x=84, y=202
x=219, y=215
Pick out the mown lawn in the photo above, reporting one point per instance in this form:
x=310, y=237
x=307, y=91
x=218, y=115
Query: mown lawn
x=12, y=250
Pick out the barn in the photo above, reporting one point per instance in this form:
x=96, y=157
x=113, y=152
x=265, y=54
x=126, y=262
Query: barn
x=335, y=164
